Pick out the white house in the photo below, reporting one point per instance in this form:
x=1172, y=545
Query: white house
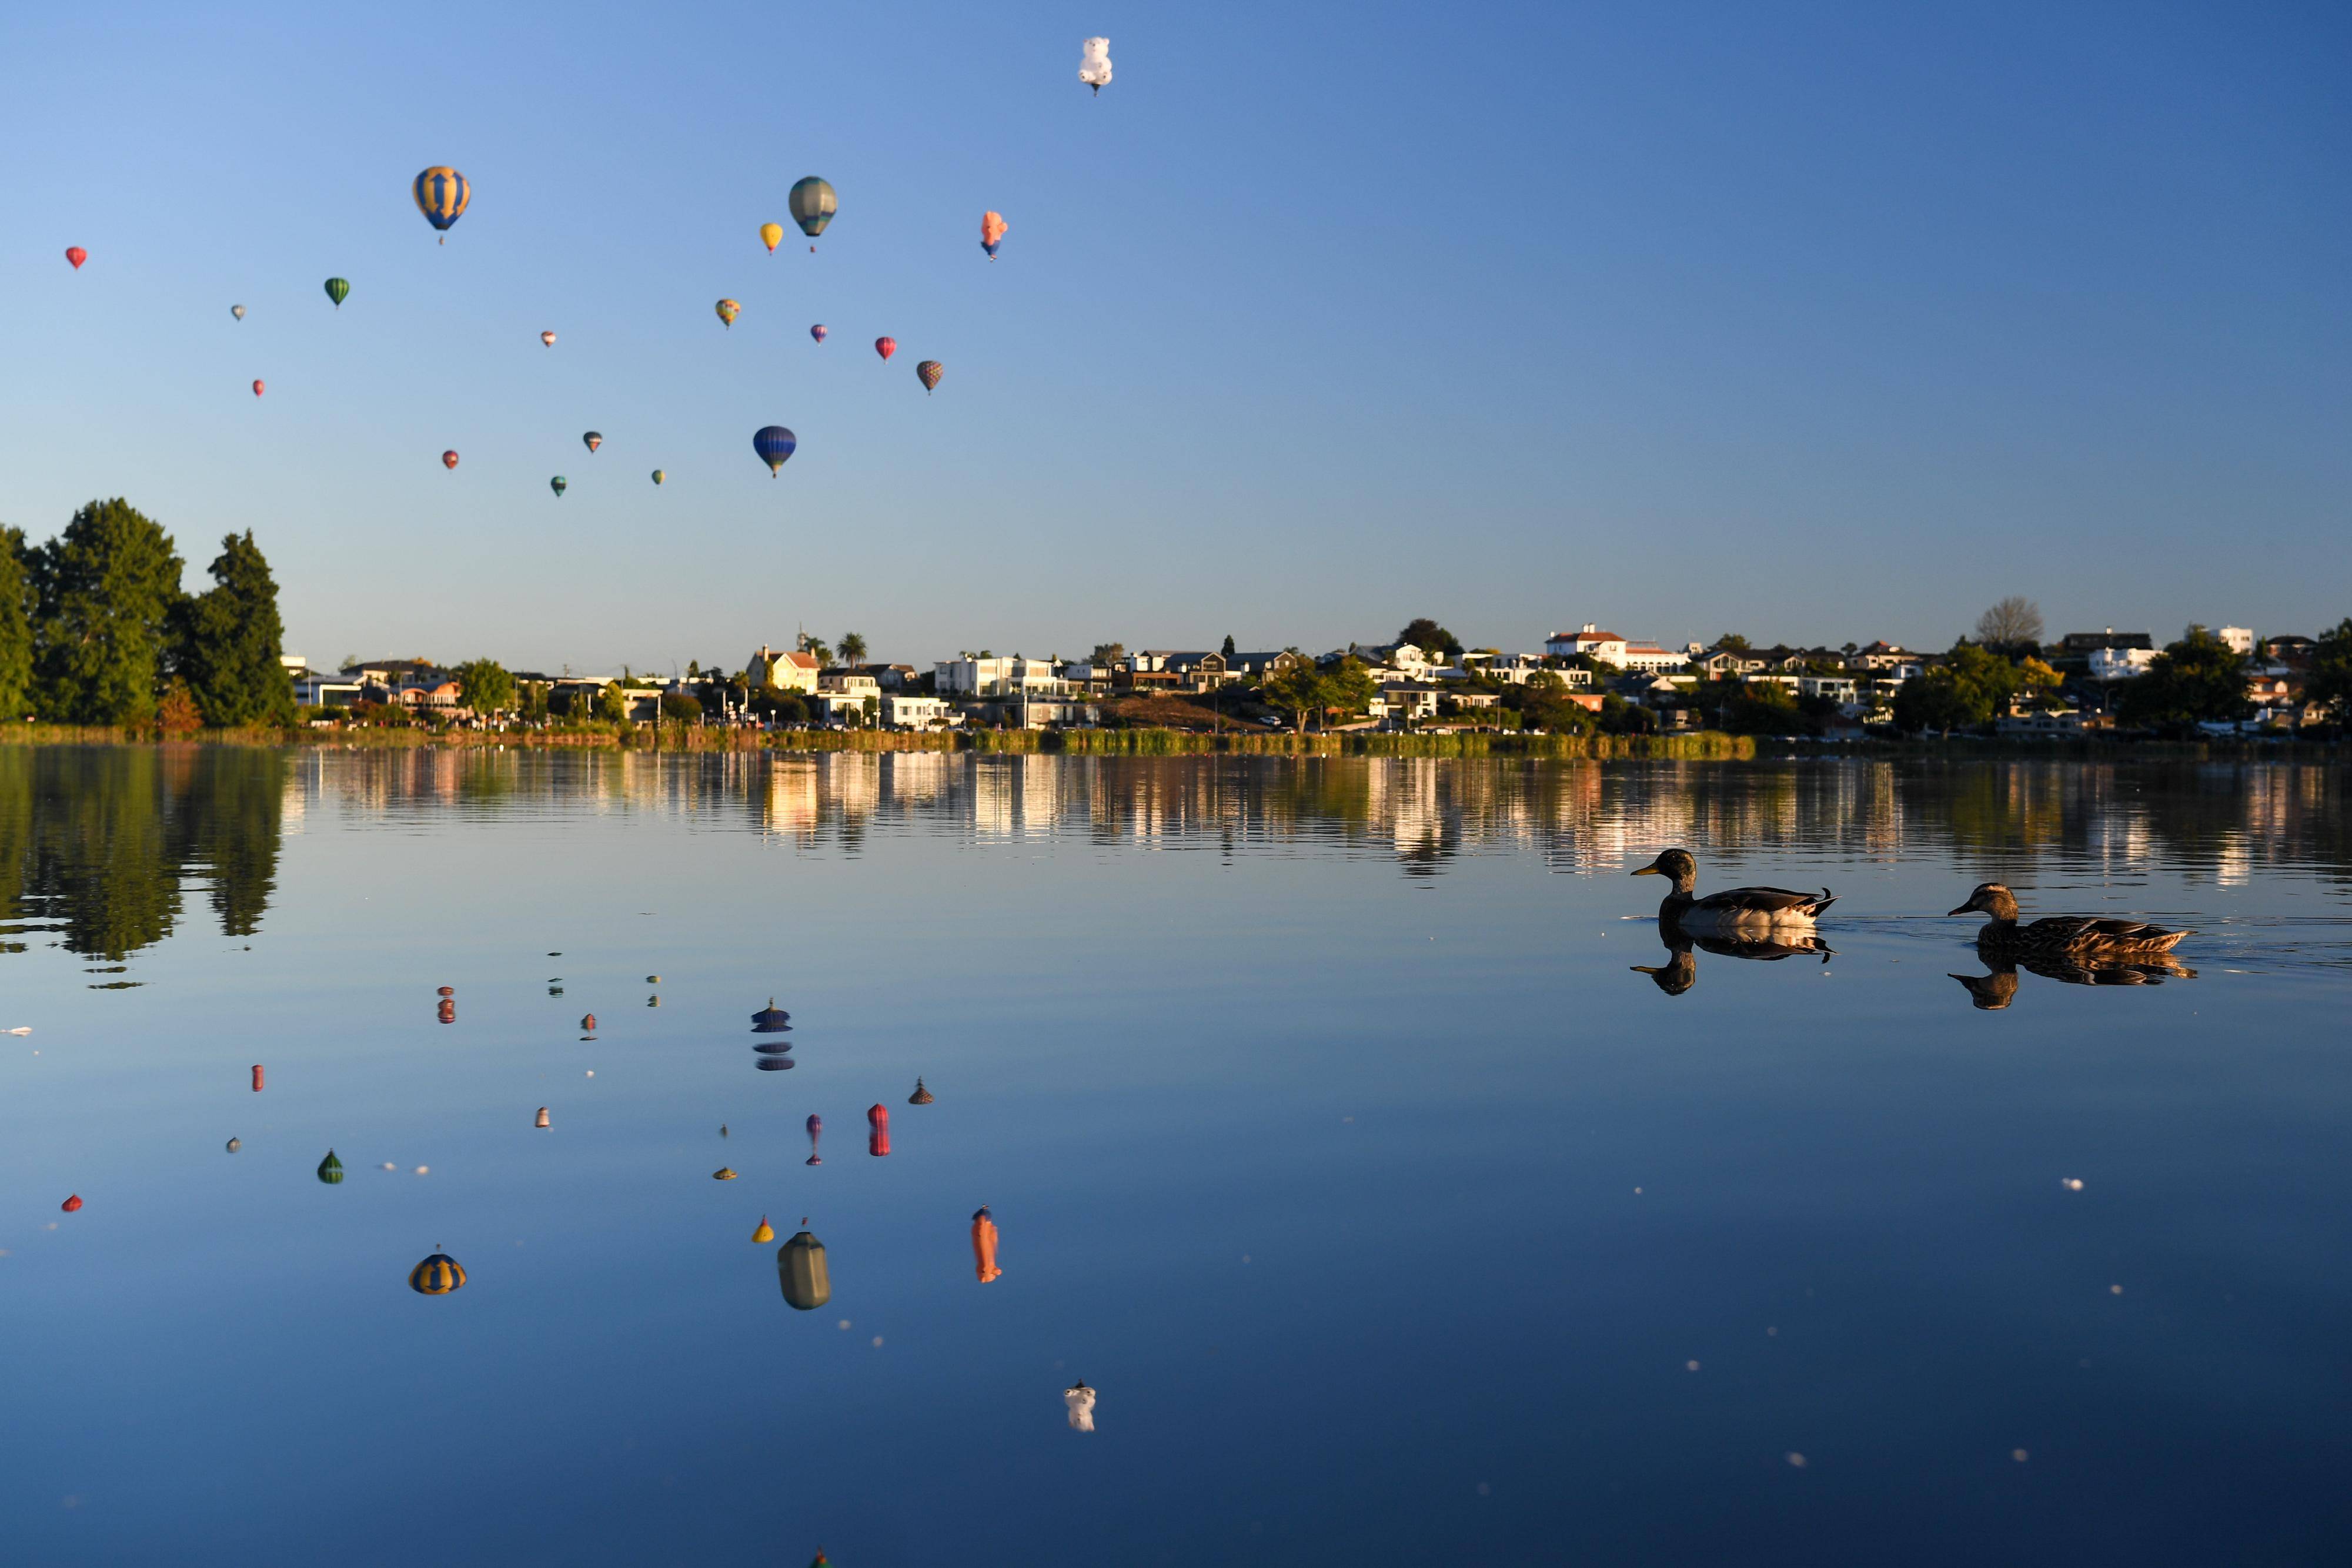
x=997, y=675
x=785, y=672
x=914, y=712
x=2119, y=663
x=2238, y=639
x=1837, y=688
x=1592, y=642
x=1649, y=658
x=852, y=683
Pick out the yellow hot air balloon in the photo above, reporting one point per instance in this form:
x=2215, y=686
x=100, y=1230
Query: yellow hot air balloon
x=724, y=1173
x=766, y=1232
x=772, y=236
x=728, y=310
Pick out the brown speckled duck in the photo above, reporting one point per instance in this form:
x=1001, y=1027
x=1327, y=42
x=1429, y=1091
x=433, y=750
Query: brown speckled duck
x=2074, y=934
x=1737, y=909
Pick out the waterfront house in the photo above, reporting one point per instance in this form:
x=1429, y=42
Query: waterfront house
x=787, y=672
x=903, y=711
x=1590, y=643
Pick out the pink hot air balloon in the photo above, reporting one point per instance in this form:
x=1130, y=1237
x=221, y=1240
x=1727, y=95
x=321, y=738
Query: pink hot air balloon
x=256, y=389
x=75, y=255
x=257, y=1078
x=886, y=347
x=815, y=1126
x=449, y=459
x=878, y=1131
x=818, y=331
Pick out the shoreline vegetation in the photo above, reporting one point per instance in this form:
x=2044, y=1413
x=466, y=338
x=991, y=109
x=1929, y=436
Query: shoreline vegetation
x=1705, y=746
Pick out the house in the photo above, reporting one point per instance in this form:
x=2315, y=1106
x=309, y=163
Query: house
x=1261, y=667
x=890, y=678
x=1032, y=712
x=1196, y=672
x=1649, y=658
x=1590, y=641
x=996, y=675
x=2119, y=663
x=2080, y=643
x=1726, y=664
x=1475, y=701
x=1783, y=679
x=312, y=689
x=1410, y=699
x=1406, y=658
x=901, y=711
x=852, y=683
x=393, y=673
x=793, y=671
x=2239, y=640
x=1516, y=667
x=1837, y=688
x=1880, y=655
x=2042, y=724
x=838, y=707
x=2293, y=653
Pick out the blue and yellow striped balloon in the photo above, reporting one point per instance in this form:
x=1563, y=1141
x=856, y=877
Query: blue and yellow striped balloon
x=436, y=1276
x=441, y=195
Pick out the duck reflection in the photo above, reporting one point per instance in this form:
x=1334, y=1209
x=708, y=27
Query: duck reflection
x=1990, y=993
x=1679, y=972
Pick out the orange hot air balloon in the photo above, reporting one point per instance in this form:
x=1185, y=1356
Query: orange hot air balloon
x=766, y=1232
x=256, y=389
x=542, y=1117
x=772, y=236
x=992, y=231
x=449, y=459
x=75, y=255
x=983, y=1246
x=72, y=1204
x=257, y=1078
x=447, y=1012
x=878, y=1131
x=886, y=347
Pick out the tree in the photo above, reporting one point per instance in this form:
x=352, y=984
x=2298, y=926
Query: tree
x=230, y=642
x=1106, y=654
x=2011, y=626
x=818, y=649
x=1228, y=649
x=1297, y=691
x=15, y=629
x=1967, y=689
x=1732, y=641
x=106, y=589
x=1429, y=637
x=680, y=709
x=533, y=700
x=2198, y=678
x=2328, y=683
x=612, y=705
x=1347, y=685
x=177, y=714
x=485, y=687
x=853, y=648
x=1542, y=703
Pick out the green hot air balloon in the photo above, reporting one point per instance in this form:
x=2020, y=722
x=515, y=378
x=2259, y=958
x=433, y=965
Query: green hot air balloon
x=800, y=1267
x=659, y=475
x=813, y=205
x=338, y=290
x=557, y=486
x=331, y=1169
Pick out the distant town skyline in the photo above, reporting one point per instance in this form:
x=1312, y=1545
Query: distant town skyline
x=1843, y=323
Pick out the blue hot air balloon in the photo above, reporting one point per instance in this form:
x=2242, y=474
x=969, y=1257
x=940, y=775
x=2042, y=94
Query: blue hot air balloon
x=441, y=196
x=774, y=444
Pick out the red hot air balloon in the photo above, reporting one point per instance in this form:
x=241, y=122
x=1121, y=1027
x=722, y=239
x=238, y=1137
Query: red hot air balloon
x=886, y=347
x=72, y=1204
x=815, y=1126
x=257, y=1078
x=256, y=389
x=448, y=1011
x=449, y=459
x=75, y=255
x=878, y=1131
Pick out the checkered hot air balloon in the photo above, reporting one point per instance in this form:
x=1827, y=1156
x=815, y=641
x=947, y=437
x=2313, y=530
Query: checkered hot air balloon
x=441, y=196
x=928, y=373
x=436, y=1276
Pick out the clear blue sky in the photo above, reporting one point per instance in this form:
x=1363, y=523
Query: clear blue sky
x=1838, y=322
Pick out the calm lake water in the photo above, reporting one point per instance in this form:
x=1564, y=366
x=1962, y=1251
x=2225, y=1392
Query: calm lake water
x=1333, y=1137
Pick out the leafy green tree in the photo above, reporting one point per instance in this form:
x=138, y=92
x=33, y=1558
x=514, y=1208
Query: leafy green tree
x=106, y=589
x=230, y=642
x=1542, y=704
x=1966, y=690
x=2198, y=678
x=611, y=704
x=1228, y=649
x=853, y=648
x=818, y=649
x=485, y=686
x=532, y=699
x=1732, y=642
x=1429, y=637
x=1106, y=654
x=2329, y=684
x=1297, y=691
x=16, y=630
x=1349, y=687
x=680, y=709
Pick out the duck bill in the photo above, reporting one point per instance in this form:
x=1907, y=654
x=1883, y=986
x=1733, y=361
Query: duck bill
x=1649, y=871
x=1963, y=909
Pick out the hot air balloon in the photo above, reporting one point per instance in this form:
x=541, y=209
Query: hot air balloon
x=771, y=1019
x=813, y=205
x=593, y=439
x=447, y=1012
x=774, y=444
x=728, y=310
x=441, y=195
x=237, y=312
x=771, y=1048
x=235, y=1144
x=992, y=232
x=446, y=991
x=818, y=331
x=1094, y=63
x=928, y=373
x=767, y=1232
x=548, y=339
x=877, y=1130
x=772, y=236
x=256, y=389
x=815, y=1128
x=800, y=1267
x=72, y=1205
x=75, y=255
x=1080, y=1401
x=436, y=1276
x=983, y=1246
x=338, y=290
x=659, y=475
x=558, y=486
x=724, y=1173
x=257, y=1078
x=774, y=1064
x=588, y=1023
x=886, y=347
x=331, y=1170
x=541, y=1122
x=921, y=1096
x=449, y=459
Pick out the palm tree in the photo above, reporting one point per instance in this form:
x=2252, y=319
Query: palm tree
x=817, y=650
x=853, y=648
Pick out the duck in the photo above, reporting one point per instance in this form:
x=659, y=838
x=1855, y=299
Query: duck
x=2069, y=933
x=1733, y=909
x=2140, y=966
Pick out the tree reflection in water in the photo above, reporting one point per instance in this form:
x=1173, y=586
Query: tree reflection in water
x=95, y=841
